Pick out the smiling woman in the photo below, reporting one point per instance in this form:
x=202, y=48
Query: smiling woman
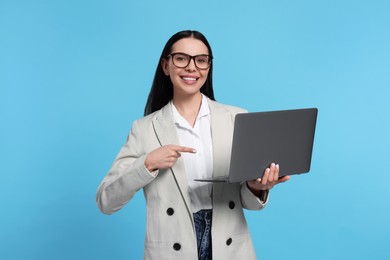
x=187, y=78
x=162, y=88
x=186, y=135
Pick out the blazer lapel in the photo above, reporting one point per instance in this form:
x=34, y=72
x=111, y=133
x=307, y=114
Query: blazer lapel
x=165, y=130
x=222, y=134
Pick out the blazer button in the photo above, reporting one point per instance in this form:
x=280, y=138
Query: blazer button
x=170, y=211
x=231, y=205
x=177, y=246
x=229, y=241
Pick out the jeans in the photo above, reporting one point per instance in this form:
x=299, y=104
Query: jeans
x=202, y=220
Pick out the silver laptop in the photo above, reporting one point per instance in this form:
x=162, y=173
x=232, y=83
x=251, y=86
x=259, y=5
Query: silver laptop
x=261, y=138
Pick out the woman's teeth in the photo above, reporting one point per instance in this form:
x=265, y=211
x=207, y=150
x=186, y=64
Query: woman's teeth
x=189, y=79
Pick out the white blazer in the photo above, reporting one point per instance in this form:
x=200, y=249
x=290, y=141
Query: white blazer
x=170, y=230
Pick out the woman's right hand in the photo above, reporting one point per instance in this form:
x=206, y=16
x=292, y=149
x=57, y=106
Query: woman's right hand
x=165, y=156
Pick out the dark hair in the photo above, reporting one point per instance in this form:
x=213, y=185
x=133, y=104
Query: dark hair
x=162, y=89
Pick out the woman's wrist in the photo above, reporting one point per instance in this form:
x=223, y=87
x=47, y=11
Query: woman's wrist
x=261, y=194
x=148, y=165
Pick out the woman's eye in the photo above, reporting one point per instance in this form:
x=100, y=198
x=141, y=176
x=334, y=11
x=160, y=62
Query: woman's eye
x=181, y=58
x=202, y=60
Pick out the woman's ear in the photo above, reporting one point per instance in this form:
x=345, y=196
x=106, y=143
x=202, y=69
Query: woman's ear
x=164, y=65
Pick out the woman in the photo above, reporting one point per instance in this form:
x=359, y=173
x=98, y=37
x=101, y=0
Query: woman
x=186, y=135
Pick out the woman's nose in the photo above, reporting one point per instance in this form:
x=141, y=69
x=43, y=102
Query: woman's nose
x=191, y=66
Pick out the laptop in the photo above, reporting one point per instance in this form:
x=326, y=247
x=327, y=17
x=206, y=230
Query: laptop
x=284, y=137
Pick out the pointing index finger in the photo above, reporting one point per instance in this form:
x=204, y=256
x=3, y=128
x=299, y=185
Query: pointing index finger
x=183, y=149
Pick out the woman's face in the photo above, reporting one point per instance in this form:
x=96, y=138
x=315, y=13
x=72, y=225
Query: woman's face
x=187, y=80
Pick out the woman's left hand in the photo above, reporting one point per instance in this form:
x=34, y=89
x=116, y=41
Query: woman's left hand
x=269, y=180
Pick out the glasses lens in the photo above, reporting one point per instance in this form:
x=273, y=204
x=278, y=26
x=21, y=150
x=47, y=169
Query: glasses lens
x=202, y=61
x=180, y=60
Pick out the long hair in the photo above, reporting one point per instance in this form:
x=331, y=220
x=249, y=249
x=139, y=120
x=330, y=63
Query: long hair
x=162, y=89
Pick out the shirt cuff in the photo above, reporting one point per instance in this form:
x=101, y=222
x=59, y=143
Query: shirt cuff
x=153, y=173
x=250, y=200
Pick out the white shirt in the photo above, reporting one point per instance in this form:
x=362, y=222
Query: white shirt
x=199, y=164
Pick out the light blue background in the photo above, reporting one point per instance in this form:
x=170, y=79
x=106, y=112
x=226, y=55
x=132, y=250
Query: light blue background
x=75, y=74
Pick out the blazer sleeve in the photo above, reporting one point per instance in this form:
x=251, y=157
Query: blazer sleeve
x=250, y=201
x=127, y=175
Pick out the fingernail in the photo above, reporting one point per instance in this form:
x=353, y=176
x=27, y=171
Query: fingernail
x=272, y=165
x=194, y=150
x=267, y=170
x=277, y=166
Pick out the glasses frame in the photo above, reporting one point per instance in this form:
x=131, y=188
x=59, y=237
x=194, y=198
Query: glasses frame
x=191, y=58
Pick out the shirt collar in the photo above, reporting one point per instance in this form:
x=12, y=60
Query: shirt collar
x=204, y=108
x=179, y=120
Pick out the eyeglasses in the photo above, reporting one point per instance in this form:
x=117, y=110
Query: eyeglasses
x=182, y=60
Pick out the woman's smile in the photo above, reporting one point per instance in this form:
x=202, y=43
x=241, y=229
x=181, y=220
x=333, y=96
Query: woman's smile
x=189, y=79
